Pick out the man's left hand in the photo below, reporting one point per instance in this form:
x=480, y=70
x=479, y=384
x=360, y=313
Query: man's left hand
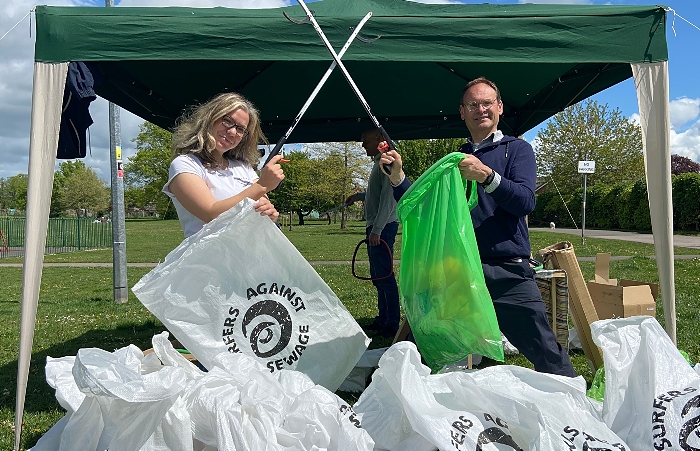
x=374, y=239
x=472, y=168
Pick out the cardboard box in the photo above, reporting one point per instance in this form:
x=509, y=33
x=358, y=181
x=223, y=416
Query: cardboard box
x=583, y=312
x=629, y=298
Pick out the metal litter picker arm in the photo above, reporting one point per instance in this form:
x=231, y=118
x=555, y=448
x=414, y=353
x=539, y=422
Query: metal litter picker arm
x=354, y=87
x=320, y=84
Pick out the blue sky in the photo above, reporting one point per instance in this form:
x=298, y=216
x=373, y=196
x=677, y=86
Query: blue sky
x=17, y=52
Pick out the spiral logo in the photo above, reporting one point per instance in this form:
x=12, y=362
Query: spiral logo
x=496, y=435
x=689, y=431
x=263, y=331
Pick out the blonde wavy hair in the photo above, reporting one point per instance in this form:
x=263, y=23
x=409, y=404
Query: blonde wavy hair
x=192, y=133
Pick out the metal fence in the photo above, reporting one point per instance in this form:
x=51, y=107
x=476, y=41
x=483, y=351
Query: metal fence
x=63, y=235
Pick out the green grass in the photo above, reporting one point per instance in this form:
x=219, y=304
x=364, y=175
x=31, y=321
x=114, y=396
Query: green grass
x=76, y=309
x=147, y=240
x=150, y=240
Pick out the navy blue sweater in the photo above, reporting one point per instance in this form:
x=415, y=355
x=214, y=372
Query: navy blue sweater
x=499, y=218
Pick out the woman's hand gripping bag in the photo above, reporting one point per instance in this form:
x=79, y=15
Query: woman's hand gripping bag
x=443, y=291
x=239, y=285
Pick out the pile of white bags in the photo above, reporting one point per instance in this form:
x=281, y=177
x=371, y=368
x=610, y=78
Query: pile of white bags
x=406, y=408
x=652, y=394
x=240, y=286
x=125, y=401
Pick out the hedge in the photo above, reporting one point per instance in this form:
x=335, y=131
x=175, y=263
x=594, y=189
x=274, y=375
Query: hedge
x=622, y=206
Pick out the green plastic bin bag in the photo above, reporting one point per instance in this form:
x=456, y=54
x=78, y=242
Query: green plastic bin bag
x=443, y=291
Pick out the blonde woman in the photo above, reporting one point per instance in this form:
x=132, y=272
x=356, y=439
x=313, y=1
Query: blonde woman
x=215, y=150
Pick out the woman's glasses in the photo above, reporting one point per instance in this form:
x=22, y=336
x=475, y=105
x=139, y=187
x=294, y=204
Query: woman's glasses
x=229, y=124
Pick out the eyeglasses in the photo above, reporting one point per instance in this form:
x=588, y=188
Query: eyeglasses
x=473, y=105
x=229, y=124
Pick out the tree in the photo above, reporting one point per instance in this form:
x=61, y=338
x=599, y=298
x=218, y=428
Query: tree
x=341, y=167
x=146, y=173
x=419, y=154
x=77, y=187
x=590, y=132
x=681, y=165
x=13, y=192
x=295, y=193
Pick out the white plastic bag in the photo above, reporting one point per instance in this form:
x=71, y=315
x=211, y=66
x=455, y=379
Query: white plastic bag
x=652, y=394
x=127, y=401
x=122, y=407
x=118, y=401
x=239, y=405
x=506, y=406
x=239, y=285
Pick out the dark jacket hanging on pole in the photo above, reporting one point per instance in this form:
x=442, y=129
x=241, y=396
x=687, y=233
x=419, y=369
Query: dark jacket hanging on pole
x=75, y=115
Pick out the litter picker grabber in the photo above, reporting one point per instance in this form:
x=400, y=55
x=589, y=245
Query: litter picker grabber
x=336, y=58
x=320, y=84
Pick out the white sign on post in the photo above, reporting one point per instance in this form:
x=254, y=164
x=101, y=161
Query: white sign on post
x=586, y=167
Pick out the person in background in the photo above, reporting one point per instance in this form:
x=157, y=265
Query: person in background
x=504, y=168
x=382, y=224
x=215, y=151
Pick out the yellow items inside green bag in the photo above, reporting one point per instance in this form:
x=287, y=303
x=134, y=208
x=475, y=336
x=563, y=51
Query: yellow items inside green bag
x=442, y=285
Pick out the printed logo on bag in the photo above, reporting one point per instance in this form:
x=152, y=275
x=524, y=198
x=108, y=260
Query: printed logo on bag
x=675, y=408
x=268, y=326
x=491, y=435
x=346, y=410
x=590, y=443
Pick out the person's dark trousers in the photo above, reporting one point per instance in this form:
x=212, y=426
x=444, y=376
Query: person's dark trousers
x=379, y=266
x=521, y=316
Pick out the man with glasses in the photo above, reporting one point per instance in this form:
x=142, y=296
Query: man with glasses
x=504, y=168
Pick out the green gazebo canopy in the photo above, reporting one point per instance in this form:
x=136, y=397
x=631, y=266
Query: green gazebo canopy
x=156, y=61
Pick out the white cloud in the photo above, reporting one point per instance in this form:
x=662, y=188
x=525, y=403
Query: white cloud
x=684, y=110
x=636, y=119
x=684, y=142
x=16, y=71
x=535, y=142
x=687, y=143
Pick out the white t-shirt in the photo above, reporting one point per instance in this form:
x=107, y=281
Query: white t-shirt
x=222, y=183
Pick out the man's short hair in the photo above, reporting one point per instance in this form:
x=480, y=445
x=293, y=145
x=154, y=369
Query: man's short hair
x=480, y=80
x=374, y=131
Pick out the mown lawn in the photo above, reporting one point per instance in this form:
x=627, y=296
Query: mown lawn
x=76, y=309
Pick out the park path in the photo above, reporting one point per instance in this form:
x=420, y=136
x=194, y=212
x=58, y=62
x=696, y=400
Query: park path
x=692, y=242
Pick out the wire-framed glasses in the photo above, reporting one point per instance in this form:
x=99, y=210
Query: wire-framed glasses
x=474, y=105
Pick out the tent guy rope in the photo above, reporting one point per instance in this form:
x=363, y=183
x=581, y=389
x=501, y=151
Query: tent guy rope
x=20, y=21
x=673, y=22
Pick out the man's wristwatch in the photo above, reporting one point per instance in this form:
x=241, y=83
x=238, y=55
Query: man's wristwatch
x=489, y=179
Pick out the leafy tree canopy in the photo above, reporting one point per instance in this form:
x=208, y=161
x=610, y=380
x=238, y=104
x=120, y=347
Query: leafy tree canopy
x=13, y=192
x=419, y=154
x=590, y=132
x=146, y=172
x=320, y=178
x=77, y=187
x=681, y=165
